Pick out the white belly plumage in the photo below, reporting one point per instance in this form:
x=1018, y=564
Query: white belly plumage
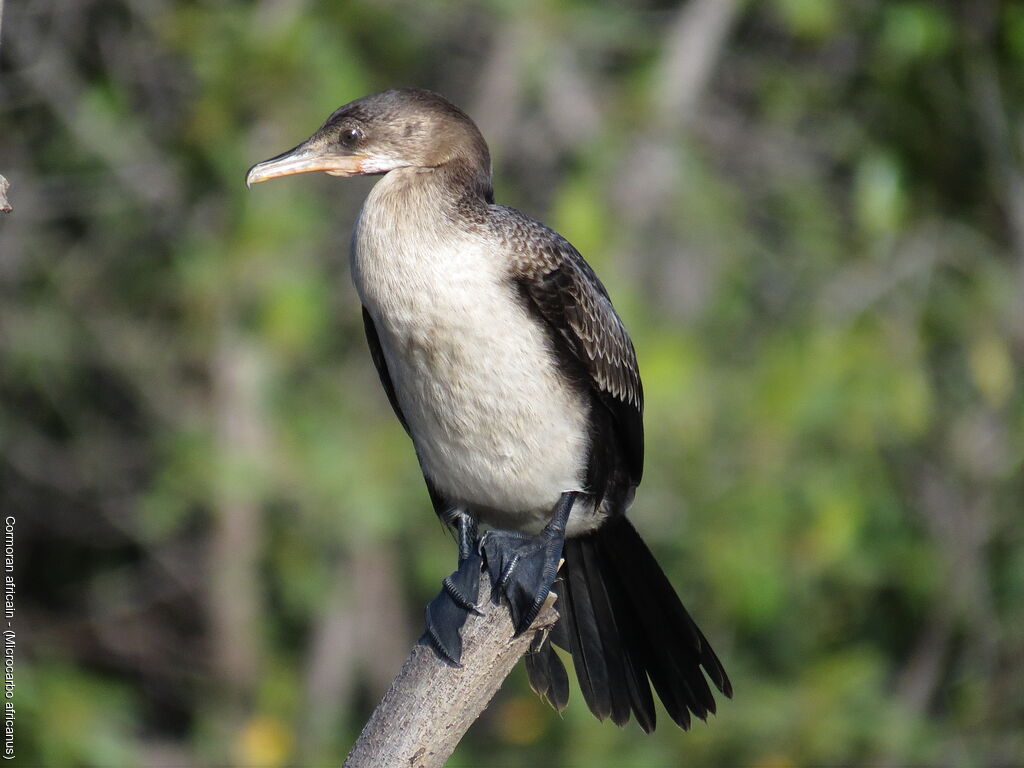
x=497, y=429
x=490, y=432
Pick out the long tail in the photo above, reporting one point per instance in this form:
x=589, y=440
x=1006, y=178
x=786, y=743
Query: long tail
x=624, y=625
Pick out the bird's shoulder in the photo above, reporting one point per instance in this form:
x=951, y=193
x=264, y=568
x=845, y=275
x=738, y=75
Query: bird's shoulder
x=533, y=249
x=563, y=288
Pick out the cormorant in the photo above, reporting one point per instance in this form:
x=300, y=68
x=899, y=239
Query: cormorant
x=503, y=358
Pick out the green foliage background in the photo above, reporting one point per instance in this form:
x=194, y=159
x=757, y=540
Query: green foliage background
x=810, y=214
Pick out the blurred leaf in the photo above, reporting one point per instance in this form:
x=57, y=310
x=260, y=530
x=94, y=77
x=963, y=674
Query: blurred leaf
x=72, y=718
x=264, y=742
x=991, y=368
x=880, y=200
x=812, y=19
x=915, y=30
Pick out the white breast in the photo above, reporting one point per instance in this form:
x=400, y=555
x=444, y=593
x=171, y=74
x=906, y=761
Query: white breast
x=495, y=426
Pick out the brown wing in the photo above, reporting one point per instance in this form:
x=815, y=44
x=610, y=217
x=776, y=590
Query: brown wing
x=566, y=293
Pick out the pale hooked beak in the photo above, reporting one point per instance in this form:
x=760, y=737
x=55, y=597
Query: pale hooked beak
x=305, y=159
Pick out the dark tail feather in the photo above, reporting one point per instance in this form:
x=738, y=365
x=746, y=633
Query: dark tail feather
x=584, y=638
x=547, y=675
x=624, y=625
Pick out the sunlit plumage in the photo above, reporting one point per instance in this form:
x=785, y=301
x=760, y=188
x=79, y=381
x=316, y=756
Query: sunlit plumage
x=502, y=356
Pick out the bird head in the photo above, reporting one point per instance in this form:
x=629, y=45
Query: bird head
x=400, y=128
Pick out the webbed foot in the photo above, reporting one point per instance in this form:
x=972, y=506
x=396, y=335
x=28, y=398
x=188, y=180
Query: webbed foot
x=523, y=570
x=523, y=567
x=446, y=614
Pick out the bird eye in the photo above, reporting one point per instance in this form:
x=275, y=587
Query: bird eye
x=350, y=137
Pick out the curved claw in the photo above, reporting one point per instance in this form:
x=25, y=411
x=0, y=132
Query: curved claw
x=463, y=585
x=461, y=599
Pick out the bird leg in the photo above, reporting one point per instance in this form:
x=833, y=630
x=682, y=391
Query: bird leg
x=523, y=567
x=446, y=613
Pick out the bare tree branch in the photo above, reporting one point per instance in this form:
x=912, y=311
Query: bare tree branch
x=692, y=47
x=432, y=703
x=233, y=596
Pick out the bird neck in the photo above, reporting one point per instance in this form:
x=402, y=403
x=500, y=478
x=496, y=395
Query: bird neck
x=430, y=197
x=417, y=228
x=473, y=177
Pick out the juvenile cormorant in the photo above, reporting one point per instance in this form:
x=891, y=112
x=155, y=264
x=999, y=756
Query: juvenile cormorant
x=503, y=358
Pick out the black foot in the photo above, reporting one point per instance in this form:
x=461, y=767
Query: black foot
x=446, y=613
x=523, y=568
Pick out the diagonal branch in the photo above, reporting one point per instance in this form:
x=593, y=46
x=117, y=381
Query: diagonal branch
x=431, y=703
